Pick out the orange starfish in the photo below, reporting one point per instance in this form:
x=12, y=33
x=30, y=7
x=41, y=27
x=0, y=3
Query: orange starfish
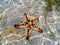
x=29, y=23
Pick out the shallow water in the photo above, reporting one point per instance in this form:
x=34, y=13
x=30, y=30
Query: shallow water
x=11, y=12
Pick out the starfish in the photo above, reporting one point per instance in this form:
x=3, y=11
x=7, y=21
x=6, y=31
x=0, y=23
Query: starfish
x=29, y=23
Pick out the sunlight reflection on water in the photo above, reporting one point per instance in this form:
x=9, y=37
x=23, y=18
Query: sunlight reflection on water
x=10, y=14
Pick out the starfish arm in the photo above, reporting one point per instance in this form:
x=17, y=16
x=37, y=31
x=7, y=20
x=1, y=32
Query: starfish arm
x=35, y=27
x=22, y=24
x=38, y=29
x=25, y=16
x=18, y=25
x=25, y=23
x=27, y=34
x=28, y=30
x=36, y=19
